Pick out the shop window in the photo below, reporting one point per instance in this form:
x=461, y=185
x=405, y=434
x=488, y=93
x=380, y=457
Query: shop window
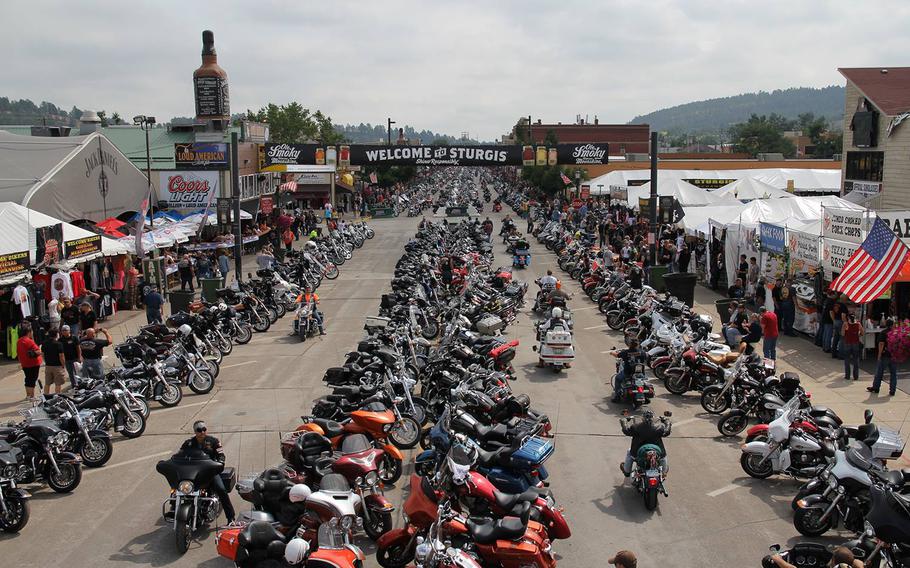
x=865, y=125
x=865, y=166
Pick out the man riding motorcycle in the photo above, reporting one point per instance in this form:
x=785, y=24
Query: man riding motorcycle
x=555, y=319
x=309, y=296
x=645, y=431
x=211, y=446
x=629, y=357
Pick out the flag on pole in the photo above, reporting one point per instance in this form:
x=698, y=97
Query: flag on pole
x=205, y=212
x=565, y=179
x=874, y=265
x=140, y=224
x=373, y=178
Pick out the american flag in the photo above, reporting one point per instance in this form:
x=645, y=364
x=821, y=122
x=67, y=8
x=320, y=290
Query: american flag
x=373, y=178
x=874, y=265
x=140, y=224
x=565, y=179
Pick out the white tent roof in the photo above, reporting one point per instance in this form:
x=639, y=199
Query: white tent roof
x=698, y=219
x=794, y=212
x=17, y=233
x=803, y=179
x=686, y=193
x=747, y=189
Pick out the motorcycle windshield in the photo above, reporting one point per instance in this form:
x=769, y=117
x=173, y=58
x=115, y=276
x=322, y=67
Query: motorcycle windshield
x=192, y=465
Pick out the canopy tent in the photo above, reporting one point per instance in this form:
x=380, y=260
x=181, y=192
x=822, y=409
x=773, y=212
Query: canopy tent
x=805, y=180
x=699, y=219
x=799, y=213
x=685, y=193
x=17, y=233
x=748, y=189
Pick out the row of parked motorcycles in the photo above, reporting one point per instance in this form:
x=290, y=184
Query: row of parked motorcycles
x=846, y=484
x=432, y=370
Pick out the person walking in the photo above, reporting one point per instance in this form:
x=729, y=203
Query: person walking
x=54, y=362
x=71, y=353
x=851, y=348
x=29, y=355
x=203, y=267
x=884, y=360
x=288, y=238
x=92, y=351
x=769, y=332
x=154, y=306
x=224, y=266
x=838, y=311
x=185, y=267
x=54, y=307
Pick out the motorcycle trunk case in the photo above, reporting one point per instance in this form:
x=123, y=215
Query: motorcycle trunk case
x=489, y=325
x=227, y=542
x=529, y=551
x=535, y=451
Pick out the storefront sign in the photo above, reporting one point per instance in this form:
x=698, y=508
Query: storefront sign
x=644, y=208
x=81, y=248
x=619, y=192
x=898, y=221
x=189, y=190
x=276, y=157
x=578, y=154
x=866, y=188
x=14, y=263
x=709, y=183
x=772, y=238
x=667, y=206
x=836, y=253
x=224, y=209
x=49, y=244
x=803, y=249
x=585, y=192
x=843, y=224
x=201, y=156
x=314, y=179
x=266, y=205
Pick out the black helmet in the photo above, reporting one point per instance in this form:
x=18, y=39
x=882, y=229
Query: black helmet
x=648, y=415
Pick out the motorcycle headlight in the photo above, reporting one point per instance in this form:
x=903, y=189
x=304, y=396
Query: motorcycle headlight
x=347, y=522
x=60, y=439
x=358, y=481
x=185, y=486
x=386, y=428
x=10, y=472
x=371, y=478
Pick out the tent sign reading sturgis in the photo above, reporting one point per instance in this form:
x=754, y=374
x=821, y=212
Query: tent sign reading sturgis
x=276, y=157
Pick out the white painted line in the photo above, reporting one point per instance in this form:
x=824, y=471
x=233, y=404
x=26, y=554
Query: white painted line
x=596, y=327
x=127, y=462
x=687, y=421
x=223, y=367
x=727, y=489
x=179, y=406
x=573, y=310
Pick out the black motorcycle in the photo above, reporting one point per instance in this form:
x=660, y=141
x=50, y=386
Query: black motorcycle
x=43, y=445
x=86, y=438
x=14, y=510
x=191, y=505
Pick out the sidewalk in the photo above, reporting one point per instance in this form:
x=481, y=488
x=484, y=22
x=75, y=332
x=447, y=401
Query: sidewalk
x=823, y=377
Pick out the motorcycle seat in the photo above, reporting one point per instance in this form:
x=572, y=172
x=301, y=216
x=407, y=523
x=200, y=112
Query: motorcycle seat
x=894, y=478
x=491, y=459
x=259, y=534
x=485, y=433
x=509, y=500
x=725, y=359
x=487, y=531
x=330, y=427
x=7, y=433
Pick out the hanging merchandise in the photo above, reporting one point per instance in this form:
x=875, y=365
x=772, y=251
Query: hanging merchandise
x=49, y=244
x=21, y=298
x=61, y=286
x=78, y=283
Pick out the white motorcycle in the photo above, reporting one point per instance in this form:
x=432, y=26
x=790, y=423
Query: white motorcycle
x=557, y=346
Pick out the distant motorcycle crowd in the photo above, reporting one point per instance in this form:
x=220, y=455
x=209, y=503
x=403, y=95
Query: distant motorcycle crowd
x=847, y=483
x=61, y=433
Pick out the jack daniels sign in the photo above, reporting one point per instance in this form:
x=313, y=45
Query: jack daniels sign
x=276, y=157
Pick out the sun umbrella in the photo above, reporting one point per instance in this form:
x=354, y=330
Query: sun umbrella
x=110, y=224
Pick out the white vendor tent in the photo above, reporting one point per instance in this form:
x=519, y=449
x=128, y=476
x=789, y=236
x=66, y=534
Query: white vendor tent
x=700, y=219
x=820, y=180
x=798, y=213
x=748, y=189
x=685, y=193
x=17, y=233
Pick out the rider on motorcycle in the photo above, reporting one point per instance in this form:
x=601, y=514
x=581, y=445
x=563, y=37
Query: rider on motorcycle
x=555, y=319
x=560, y=293
x=309, y=296
x=629, y=357
x=645, y=431
x=211, y=446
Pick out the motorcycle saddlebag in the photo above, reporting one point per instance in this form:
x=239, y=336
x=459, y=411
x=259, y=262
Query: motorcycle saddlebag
x=336, y=375
x=789, y=383
x=229, y=478
x=227, y=541
x=489, y=325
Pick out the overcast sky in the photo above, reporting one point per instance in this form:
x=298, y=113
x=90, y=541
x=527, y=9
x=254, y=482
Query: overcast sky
x=448, y=66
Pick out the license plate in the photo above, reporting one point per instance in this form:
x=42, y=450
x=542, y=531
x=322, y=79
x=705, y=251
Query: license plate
x=558, y=351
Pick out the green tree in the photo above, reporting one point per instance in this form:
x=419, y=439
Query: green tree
x=762, y=134
x=103, y=116
x=115, y=118
x=292, y=123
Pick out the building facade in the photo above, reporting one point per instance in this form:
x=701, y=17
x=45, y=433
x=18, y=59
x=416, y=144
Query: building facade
x=622, y=138
x=876, y=151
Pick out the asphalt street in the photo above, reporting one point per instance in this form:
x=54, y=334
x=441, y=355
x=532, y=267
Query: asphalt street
x=715, y=515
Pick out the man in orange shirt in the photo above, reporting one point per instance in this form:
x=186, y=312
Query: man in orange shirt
x=310, y=296
x=769, y=332
x=29, y=358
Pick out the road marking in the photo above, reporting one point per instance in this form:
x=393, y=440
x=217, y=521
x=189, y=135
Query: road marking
x=238, y=364
x=596, y=327
x=127, y=462
x=727, y=488
x=686, y=421
x=179, y=406
x=573, y=310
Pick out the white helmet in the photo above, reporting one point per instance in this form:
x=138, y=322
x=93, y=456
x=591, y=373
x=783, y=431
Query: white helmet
x=309, y=245
x=557, y=313
x=295, y=552
x=299, y=493
x=185, y=329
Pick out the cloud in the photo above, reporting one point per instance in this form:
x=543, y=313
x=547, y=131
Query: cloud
x=447, y=66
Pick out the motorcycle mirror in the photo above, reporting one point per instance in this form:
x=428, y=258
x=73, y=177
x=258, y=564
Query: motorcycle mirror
x=667, y=413
x=867, y=415
x=534, y=347
x=775, y=548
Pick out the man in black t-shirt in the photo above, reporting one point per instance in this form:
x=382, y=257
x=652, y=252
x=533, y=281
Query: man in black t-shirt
x=53, y=360
x=87, y=317
x=69, y=315
x=71, y=352
x=92, y=351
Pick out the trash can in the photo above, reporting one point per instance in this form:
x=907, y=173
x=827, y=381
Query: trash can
x=682, y=285
x=656, y=278
x=723, y=309
x=180, y=301
x=209, y=287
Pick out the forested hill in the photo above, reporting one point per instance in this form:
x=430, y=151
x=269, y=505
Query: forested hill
x=715, y=115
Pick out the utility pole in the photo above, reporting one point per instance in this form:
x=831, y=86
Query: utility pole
x=653, y=236
x=235, y=194
x=389, y=130
x=530, y=138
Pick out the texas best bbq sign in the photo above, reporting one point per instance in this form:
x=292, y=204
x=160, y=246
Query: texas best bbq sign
x=188, y=190
x=277, y=157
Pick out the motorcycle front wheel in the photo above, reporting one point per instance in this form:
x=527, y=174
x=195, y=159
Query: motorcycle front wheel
x=430, y=330
x=224, y=345
x=68, y=479
x=405, y=433
x=97, y=451
x=614, y=320
x=377, y=525
x=397, y=555
x=201, y=381
x=16, y=516
x=808, y=522
x=133, y=425
x=676, y=382
x=182, y=529
x=732, y=424
x=389, y=469
x=243, y=334
x=713, y=401
x=331, y=272
x=754, y=467
x=171, y=395
x=261, y=324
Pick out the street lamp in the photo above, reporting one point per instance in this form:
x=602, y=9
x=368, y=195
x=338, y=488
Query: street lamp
x=146, y=123
x=389, y=130
x=578, y=183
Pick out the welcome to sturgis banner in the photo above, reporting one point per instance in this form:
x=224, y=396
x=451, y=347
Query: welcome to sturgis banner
x=277, y=157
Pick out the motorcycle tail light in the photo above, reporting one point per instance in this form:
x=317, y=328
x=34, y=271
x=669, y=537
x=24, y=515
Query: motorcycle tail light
x=640, y=389
x=652, y=482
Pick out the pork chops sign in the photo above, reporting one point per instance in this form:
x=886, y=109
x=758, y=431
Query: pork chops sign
x=283, y=157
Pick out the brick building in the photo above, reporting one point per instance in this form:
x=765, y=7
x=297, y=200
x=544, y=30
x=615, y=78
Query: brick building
x=623, y=138
x=876, y=152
